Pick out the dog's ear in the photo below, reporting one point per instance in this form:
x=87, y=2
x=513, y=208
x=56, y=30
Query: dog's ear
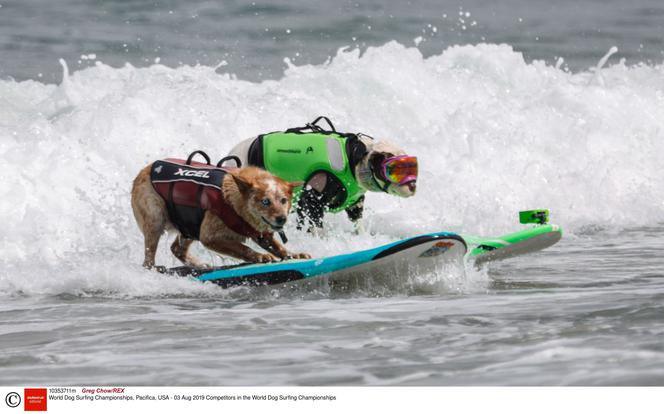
x=243, y=185
x=376, y=158
x=379, y=156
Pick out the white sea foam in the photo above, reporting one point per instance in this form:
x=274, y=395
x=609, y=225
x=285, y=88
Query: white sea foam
x=494, y=135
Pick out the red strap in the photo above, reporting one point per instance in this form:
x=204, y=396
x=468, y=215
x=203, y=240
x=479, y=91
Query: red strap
x=236, y=223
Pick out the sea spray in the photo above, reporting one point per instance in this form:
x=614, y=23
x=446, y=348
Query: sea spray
x=493, y=133
x=598, y=69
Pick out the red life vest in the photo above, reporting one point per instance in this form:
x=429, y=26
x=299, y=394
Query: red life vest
x=192, y=188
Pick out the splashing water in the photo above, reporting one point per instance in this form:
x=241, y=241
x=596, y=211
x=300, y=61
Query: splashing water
x=494, y=135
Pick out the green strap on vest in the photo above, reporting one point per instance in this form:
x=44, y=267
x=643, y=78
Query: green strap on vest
x=296, y=156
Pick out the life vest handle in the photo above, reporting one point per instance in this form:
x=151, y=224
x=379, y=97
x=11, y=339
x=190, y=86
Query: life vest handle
x=314, y=127
x=235, y=158
x=326, y=119
x=191, y=156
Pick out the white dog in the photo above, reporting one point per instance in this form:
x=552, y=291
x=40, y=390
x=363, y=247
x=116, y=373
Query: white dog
x=337, y=168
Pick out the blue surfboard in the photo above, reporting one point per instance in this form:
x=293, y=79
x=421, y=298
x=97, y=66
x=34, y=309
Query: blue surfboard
x=416, y=254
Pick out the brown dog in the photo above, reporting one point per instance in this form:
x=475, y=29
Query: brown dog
x=219, y=207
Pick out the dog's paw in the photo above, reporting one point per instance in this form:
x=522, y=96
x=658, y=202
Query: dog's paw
x=300, y=256
x=264, y=258
x=358, y=228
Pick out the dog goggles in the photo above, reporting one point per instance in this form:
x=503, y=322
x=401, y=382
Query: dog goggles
x=401, y=169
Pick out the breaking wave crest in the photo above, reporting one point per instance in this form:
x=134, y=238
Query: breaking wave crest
x=493, y=133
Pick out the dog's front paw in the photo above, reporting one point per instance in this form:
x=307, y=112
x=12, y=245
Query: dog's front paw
x=264, y=258
x=358, y=228
x=299, y=256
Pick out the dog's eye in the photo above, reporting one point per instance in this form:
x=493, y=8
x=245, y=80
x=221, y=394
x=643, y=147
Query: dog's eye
x=265, y=202
x=284, y=200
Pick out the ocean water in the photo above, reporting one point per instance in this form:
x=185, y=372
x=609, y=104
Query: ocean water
x=529, y=107
x=253, y=38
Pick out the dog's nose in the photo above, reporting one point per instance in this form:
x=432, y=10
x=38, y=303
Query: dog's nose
x=412, y=186
x=280, y=220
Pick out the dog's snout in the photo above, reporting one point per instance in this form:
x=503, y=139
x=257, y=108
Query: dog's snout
x=280, y=220
x=412, y=186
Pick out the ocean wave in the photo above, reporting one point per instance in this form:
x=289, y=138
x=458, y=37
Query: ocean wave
x=493, y=133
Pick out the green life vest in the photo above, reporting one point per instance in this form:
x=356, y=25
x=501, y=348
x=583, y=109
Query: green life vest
x=296, y=156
